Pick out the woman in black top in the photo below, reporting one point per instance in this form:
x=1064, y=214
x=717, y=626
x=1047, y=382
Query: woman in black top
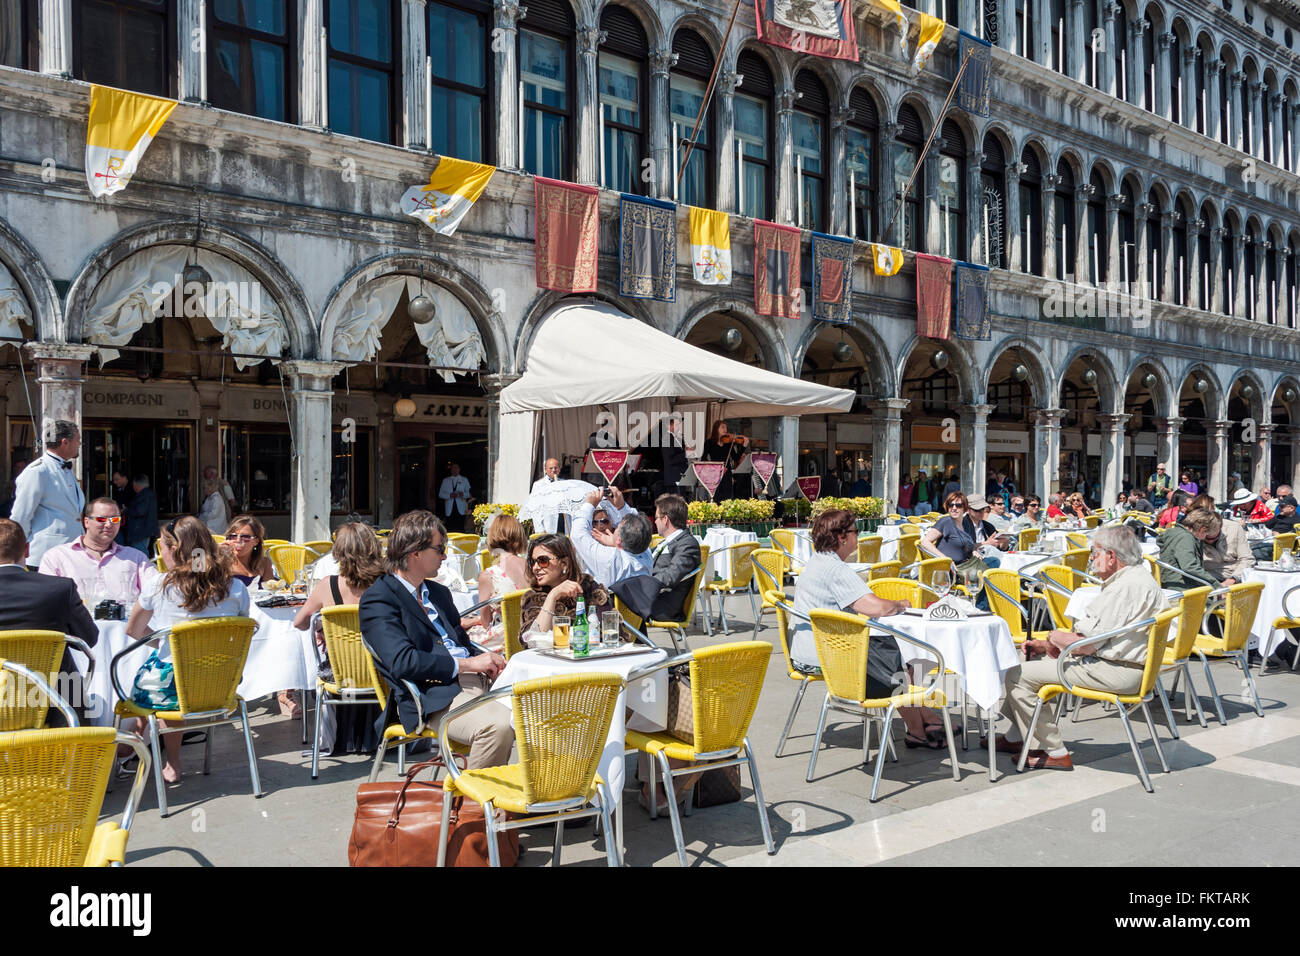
x=727, y=448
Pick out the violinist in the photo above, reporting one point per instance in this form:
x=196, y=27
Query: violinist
x=728, y=448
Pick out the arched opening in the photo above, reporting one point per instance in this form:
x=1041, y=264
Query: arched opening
x=1031, y=211
x=1198, y=400
x=931, y=442
x=694, y=185
x=909, y=225
x=993, y=183
x=1228, y=263
x=951, y=191
x=1098, y=248
x=1085, y=395
x=1286, y=406
x=623, y=97
x=1015, y=376
x=1066, y=231
x=1145, y=404
x=1155, y=242
x=1246, y=413
x=810, y=129
x=840, y=444
x=756, y=184
x=546, y=72
x=861, y=138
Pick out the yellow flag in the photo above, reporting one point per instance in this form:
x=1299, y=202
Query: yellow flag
x=120, y=129
x=710, y=246
x=931, y=34
x=894, y=7
x=452, y=188
x=888, y=259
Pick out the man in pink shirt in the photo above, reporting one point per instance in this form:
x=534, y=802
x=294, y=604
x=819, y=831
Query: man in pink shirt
x=102, y=568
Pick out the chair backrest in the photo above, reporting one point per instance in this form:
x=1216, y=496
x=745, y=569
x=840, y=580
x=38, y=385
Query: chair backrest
x=321, y=548
x=1144, y=516
x=1004, y=604
x=1077, y=540
x=485, y=559
x=561, y=727
x=1157, y=639
x=926, y=570
x=783, y=539
x=917, y=519
x=462, y=542
x=289, y=559
x=901, y=589
x=160, y=564
x=23, y=707
x=1091, y=521
x=769, y=571
x=218, y=538
x=51, y=792
x=656, y=540
x=909, y=530
x=1239, y=612
x=1283, y=542
x=869, y=548
x=1027, y=539
x=725, y=683
x=697, y=581
x=273, y=542
x=742, y=565
x=1191, y=612
x=512, y=618
x=884, y=569
x=208, y=656
x=893, y=517
x=908, y=550
x=352, y=664
x=1154, y=565
x=1064, y=576
x=843, y=648
x=770, y=599
x=1076, y=559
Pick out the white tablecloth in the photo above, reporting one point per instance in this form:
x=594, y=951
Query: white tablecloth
x=718, y=538
x=1083, y=597
x=979, y=650
x=802, y=547
x=1276, y=584
x=649, y=704
x=889, y=541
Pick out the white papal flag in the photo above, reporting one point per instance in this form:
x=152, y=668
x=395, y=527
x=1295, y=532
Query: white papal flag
x=450, y=192
x=120, y=129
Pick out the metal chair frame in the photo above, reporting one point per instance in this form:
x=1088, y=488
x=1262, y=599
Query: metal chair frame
x=779, y=601
x=711, y=588
x=1217, y=599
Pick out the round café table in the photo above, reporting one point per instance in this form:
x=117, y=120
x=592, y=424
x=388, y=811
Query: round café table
x=718, y=538
x=1083, y=597
x=1263, y=636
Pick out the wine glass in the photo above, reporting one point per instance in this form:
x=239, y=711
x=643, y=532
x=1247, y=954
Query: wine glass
x=941, y=583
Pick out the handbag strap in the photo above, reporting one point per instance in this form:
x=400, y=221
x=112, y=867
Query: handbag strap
x=396, y=812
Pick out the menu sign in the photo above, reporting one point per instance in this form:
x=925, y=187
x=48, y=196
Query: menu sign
x=810, y=486
x=709, y=474
x=764, y=463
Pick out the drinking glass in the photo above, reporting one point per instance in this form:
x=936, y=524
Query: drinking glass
x=560, y=629
x=941, y=583
x=610, y=622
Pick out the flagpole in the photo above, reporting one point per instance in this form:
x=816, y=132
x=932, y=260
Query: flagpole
x=708, y=93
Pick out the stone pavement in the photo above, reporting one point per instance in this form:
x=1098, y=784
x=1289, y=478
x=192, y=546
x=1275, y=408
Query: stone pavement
x=1233, y=792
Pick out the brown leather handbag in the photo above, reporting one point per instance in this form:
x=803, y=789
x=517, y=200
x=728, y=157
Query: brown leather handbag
x=398, y=824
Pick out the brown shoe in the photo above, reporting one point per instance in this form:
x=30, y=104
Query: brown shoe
x=1003, y=746
x=1039, y=759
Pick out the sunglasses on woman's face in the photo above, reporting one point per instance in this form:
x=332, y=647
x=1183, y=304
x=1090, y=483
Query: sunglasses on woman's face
x=541, y=560
x=957, y=505
x=238, y=537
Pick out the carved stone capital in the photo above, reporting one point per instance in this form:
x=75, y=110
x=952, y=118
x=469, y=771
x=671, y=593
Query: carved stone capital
x=1189, y=56
x=589, y=39
x=842, y=117
x=1146, y=209
x=890, y=131
x=1115, y=201
x=1275, y=101
x=729, y=82
x=1166, y=41
x=786, y=99
x=1084, y=192
x=1050, y=182
x=1217, y=233
x=1215, y=67
x=507, y=13
x=663, y=60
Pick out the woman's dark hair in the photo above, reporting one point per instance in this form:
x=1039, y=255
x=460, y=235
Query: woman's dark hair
x=955, y=496
x=562, y=548
x=829, y=526
x=202, y=573
x=715, y=428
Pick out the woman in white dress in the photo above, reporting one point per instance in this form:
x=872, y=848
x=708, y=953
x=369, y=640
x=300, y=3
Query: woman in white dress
x=507, y=542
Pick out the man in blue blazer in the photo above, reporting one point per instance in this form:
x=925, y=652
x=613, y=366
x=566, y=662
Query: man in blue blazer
x=47, y=498
x=412, y=625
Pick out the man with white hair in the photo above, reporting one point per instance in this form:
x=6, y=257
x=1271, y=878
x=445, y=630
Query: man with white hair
x=1128, y=594
x=550, y=523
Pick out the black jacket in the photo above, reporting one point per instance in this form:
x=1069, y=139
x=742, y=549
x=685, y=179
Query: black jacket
x=407, y=646
x=674, y=456
x=673, y=569
x=30, y=600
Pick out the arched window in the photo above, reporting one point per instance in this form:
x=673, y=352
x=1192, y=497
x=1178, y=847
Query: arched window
x=1266, y=123
x=1229, y=272
x=1291, y=253
x=1155, y=252
x=1147, y=98
x=950, y=192
x=129, y=44
x=1025, y=28
x=1180, y=255
x=909, y=225
x=1127, y=238
x=621, y=78
x=1060, y=37
x=754, y=131
x=1225, y=103
x=687, y=83
x=1176, y=79
x=1201, y=75
x=1065, y=239
x=362, y=68
x=810, y=127
x=1098, y=255
x=459, y=98
x=546, y=73
x=1031, y=213
x=1119, y=56
x=993, y=203
x=1091, y=32
x=18, y=34
x=1203, y=256
x=1247, y=121
x=861, y=161
x=1270, y=285
x=1250, y=270
x=251, y=51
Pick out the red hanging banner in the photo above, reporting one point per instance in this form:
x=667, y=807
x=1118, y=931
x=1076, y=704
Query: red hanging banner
x=810, y=486
x=710, y=474
x=610, y=463
x=764, y=465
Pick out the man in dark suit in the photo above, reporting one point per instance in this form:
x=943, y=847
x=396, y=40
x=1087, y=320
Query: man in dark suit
x=412, y=625
x=675, y=560
x=674, y=454
x=32, y=601
x=141, y=515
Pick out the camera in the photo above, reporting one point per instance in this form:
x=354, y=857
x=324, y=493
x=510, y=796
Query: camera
x=110, y=610
x=608, y=493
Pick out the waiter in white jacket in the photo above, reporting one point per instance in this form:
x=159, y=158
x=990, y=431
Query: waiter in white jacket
x=47, y=498
x=455, y=492
x=550, y=523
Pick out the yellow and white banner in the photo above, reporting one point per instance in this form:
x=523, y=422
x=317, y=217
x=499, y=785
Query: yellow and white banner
x=710, y=246
x=120, y=129
x=888, y=259
x=931, y=34
x=894, y=7
x=453, y=187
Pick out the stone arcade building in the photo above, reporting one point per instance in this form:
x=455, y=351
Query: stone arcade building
x=1147, y=151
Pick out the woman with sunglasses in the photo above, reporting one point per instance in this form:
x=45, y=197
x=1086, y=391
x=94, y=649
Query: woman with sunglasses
x=197, y=584
x=243, y=543
x=952, y=537
x=555, y=579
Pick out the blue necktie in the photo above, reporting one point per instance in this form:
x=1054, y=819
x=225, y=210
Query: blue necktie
x=454, y=649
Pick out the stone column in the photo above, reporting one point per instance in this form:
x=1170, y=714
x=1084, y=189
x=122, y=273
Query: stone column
x=1082, y=253
x=311, y=391
x=192, y=36
x=1164, y=77
x=1277, y=133
x=662, y=61
x=1262, y=456
x=887, y=448
x=1051, y=228
x=209, y=444
x=1012, y=238
x=590, y=37
x=1078, y=47
x=728, y=191
x=54, y=36
x=1213, y=108
x=1292, y=118
x=385, y=461
x=974, y=208
x=1263, y=248
x=1006, y=20
x=1143, y=279
x=1277, y=296
x=1239, y=278
x=1047, y=451
x=415, y=81
x=1168, y=433
x=313, y=110
x=1217, y=437
x=1295, y=459
x=785, y=441
x=974, y=445
x=1234, y=109
x=1167, y=256
x=1112, y=455
x=786, y=200
x=1114, y=271
x=492, y=386
x=1106, y=65
x=1195, y=269
x=1218, y=292
x=7, y=383
x=506, y=15
x=838, y=180
x=930, y=202
x=1256, y=119
x=1137, y=67
x=1040, y=42
x=1190, y=105
x=60, y=372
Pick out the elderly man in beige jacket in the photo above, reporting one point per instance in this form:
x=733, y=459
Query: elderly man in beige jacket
x=1128, y=594
x=1227, y=552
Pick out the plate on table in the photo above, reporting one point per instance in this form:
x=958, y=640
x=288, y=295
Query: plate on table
x=920, y=612
x=598, y=652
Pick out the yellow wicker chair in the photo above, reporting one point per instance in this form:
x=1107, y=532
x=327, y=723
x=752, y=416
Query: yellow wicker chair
x=1289, y=622
x=742, y=574
x=917, y=519
x=794, y=671
x=1077, y=540
x=160, y=564
x=882, y=569
x=1157, y=635
x=512, y=614
x=843, y=648
x=893, y=517
x=290, y=559
x=268, y=543
x=909, y=553
x=1027, y=538
x=656, y=540
x=321, y=548
x=869, y=548
x=561, y=728
x=769, y=575
x=926, y=570
x=909, y=530
x=355, y=677
x=1076, y=559
x=1283, y=542
x=1154, y=565
x=485, y=559
x=1091, y=521
x=1058, y=597
x=783, y=541
x=1178, y=651
x=725, y=683
x=208, y=656
x=218, y=538
x=676, y=628
x=39, y=652
x=1237, y=614
x=901, y=589
x=52, y=792
x=1002, y=586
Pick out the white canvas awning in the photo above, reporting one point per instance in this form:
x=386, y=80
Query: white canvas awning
x=650, y=364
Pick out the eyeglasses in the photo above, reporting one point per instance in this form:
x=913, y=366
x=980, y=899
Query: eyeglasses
x=596, y=521
x=958, y=505
x=229, y=537
x=115, y=519
x=440, y=548
x=541, y=560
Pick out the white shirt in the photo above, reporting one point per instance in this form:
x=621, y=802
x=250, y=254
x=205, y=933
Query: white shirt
x=550, y=523
x=999, y=522
x=165, y=605
x=664, y=543
x=450, y=485
x=454, y=649
x=607, y=565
